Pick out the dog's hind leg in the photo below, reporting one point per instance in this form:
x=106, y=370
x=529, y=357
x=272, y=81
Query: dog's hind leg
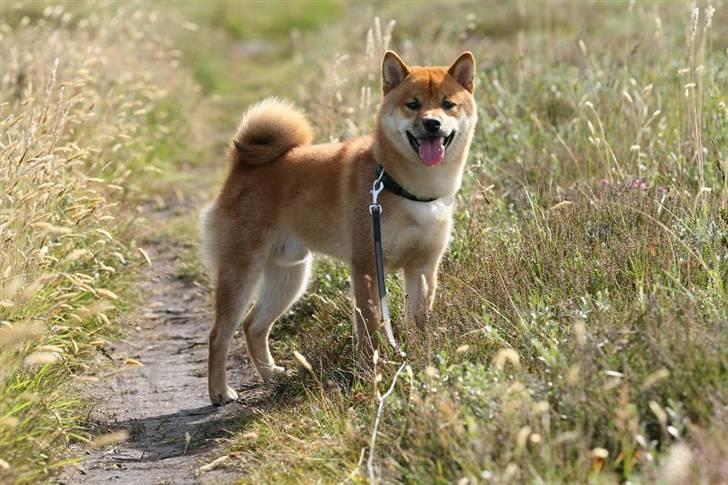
x=236, y=286
x=284, y=282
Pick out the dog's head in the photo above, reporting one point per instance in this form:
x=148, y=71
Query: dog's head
x=428, y=113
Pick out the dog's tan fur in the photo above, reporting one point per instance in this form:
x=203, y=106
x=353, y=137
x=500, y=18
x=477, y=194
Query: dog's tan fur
x=285, y=198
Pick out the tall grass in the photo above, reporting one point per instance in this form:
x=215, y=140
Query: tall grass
x=580, y=329
x=89, y=101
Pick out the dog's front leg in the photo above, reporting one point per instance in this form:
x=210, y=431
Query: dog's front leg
x=420, y=285
x=366, y=309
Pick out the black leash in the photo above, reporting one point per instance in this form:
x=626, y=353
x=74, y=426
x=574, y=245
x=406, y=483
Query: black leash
x=381, y=182
x=375, y=209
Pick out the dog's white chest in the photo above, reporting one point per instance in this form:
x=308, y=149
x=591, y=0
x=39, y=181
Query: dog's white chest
x=425, y=213
x=419, y=225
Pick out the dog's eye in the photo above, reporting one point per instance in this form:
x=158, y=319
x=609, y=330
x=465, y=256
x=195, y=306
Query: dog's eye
x=447, y=104
x=413, y=105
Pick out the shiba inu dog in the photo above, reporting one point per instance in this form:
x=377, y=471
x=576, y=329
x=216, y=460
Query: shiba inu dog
x=286, y=198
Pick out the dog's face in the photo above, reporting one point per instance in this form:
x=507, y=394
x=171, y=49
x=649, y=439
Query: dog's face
x=428, y=113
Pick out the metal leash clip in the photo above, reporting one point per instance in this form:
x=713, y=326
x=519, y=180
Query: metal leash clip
x=377, y=188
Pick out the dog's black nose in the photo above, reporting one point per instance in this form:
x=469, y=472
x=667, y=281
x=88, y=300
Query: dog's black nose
x=432, y=125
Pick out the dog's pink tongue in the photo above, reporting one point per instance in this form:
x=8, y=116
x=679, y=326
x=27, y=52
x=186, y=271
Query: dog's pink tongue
x=431, y=151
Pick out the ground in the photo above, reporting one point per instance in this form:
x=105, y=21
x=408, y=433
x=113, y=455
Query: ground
x=162, y=402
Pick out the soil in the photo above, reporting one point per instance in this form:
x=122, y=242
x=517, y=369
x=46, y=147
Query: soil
x=163, y=403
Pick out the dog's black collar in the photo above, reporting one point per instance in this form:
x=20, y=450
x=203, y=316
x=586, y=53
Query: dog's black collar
x=394, y=187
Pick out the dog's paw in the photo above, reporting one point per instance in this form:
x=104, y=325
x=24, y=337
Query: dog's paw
x=269, y=373
x=220, y=398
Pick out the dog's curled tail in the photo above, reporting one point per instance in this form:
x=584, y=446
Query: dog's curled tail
x=268, y=130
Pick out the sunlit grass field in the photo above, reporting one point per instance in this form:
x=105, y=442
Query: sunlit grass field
x=581, y=326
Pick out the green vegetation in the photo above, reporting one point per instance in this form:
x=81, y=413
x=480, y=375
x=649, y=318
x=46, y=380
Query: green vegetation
x=580, y=329
x=83, y=125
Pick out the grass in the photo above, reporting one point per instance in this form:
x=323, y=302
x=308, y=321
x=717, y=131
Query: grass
x=579, y=333
x=83, y=124
x=580, y=327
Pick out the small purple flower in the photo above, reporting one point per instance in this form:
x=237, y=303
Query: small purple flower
x=638, y=184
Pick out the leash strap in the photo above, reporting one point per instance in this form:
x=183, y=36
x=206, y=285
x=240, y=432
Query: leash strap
x=375, y=209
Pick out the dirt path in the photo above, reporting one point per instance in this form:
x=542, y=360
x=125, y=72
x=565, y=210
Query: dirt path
x=163, y=404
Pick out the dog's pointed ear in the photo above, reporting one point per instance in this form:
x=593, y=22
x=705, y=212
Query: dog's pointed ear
x=463, y=70
x=394, y=70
